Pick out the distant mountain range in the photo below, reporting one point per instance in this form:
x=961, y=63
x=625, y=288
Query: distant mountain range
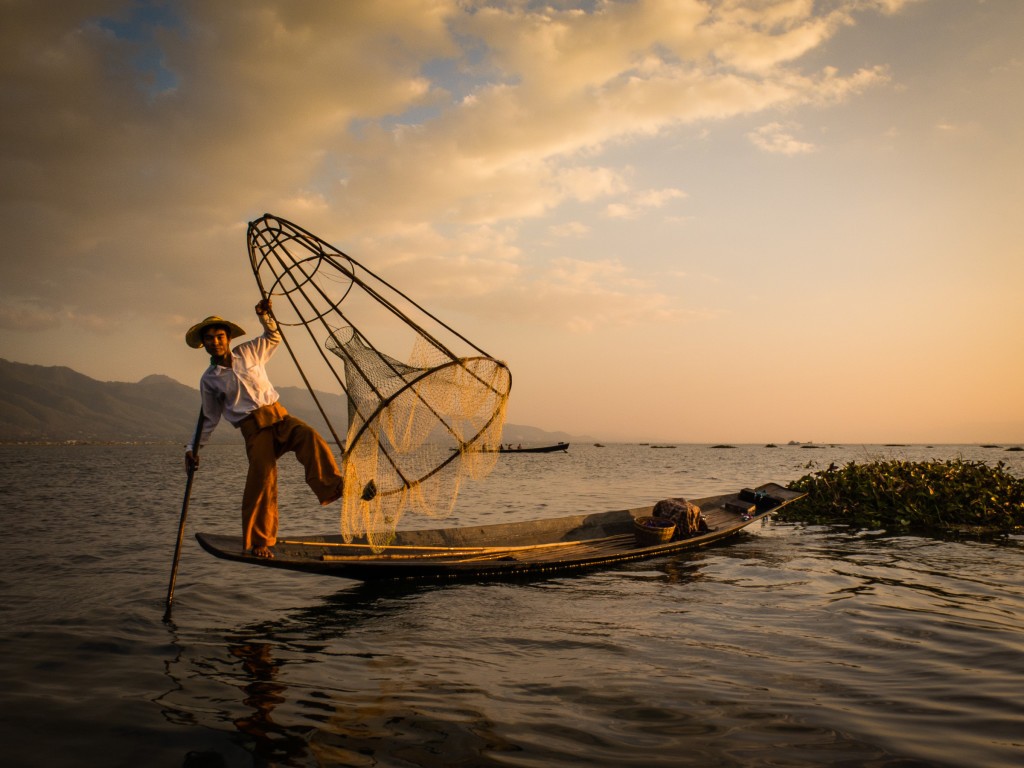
x=56, y=404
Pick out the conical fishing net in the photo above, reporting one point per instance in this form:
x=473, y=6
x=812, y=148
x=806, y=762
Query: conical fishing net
x=415, y=426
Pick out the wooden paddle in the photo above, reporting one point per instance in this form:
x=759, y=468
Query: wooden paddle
x=184, y=512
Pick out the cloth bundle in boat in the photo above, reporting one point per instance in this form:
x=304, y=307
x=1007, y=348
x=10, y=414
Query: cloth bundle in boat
x=416, y=427
x=762, y=500
x=685, y=514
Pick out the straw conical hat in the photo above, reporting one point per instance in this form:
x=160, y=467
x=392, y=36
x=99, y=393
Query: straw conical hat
x=194, y=335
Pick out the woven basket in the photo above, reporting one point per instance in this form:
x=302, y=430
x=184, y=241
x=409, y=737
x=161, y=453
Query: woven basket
x=653, y=530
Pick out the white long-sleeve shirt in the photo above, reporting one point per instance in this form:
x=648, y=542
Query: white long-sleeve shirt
x=236, y=391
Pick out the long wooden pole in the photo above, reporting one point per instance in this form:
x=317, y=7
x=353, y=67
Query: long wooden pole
x=184, y=513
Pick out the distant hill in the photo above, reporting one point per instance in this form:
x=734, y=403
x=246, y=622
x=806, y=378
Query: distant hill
x=54, y=403
x=57, y=403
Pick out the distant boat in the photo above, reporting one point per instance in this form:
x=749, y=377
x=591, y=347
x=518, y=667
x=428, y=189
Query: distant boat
x=538, y=449
x=519, y=449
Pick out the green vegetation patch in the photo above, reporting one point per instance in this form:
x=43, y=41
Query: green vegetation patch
x=931, y=497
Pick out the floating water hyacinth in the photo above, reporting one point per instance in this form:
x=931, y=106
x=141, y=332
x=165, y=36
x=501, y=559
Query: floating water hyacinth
x=932, y=497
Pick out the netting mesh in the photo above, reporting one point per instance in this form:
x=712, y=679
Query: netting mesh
x=416, y=428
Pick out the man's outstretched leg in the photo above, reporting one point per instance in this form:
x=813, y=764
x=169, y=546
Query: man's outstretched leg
x=322, y=475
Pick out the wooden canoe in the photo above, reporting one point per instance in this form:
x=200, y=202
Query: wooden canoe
x=537, y=449
x=505, y=549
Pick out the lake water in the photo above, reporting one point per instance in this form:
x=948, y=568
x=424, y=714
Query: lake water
x=790, y=646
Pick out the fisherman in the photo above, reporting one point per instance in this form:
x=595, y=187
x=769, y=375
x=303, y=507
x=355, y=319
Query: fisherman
x=236, y=387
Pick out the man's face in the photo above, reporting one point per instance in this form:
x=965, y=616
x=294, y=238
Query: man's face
x=216, y=341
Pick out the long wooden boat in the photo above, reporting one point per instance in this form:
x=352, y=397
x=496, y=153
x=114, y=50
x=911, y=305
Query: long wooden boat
x=535, y=449
x=538, y=449
x=506, y=549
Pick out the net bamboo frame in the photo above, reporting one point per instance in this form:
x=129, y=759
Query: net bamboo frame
x=414, y=428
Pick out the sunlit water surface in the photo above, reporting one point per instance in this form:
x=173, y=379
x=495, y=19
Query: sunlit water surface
x=790, y=646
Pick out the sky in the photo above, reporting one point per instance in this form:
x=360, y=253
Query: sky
x=676, y=220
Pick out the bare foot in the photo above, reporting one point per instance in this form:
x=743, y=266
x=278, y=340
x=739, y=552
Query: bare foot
x=262, y=552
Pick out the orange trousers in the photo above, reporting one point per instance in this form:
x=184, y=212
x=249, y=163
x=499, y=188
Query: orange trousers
x=264, y=446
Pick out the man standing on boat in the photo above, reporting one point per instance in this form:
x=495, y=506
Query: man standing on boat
x=236, y=387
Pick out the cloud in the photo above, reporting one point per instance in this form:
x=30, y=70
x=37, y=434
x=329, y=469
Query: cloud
x=642, y=202
x=892, y=6
x=558, y=88
x=775, y=138
x=419, y=126
x=31, y=315
x=582, y=295
x=25, y=316
x=570, y=229
x=950, y=129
